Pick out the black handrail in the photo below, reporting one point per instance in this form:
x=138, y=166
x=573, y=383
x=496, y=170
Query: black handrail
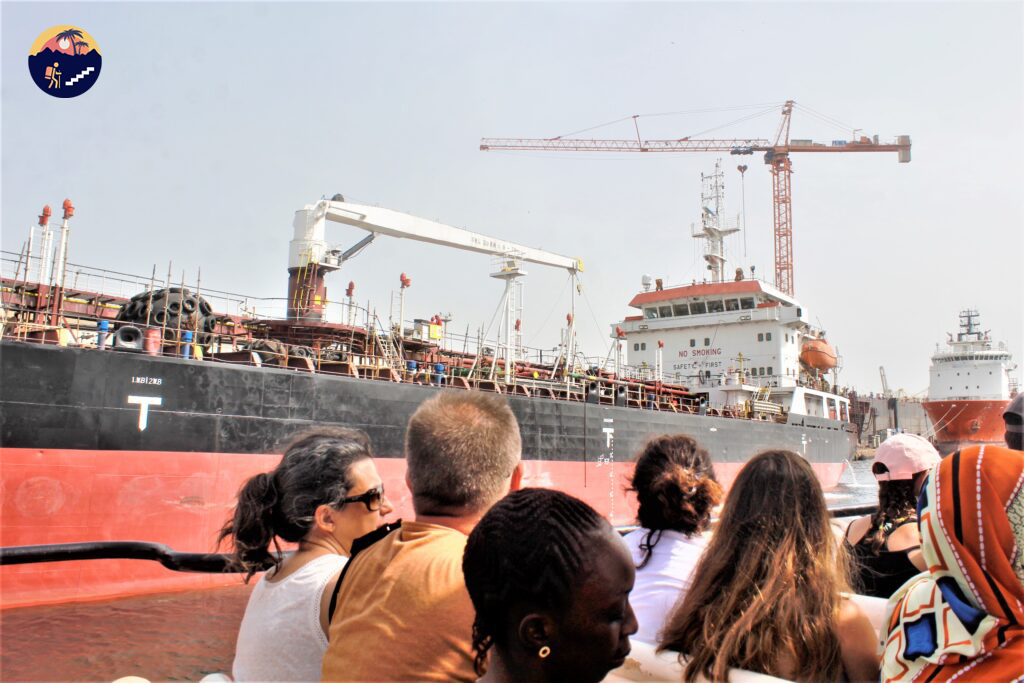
x=211, y=563
x=120, y=550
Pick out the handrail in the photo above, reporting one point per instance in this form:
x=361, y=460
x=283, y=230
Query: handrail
x=210, y=563
x=120, y=550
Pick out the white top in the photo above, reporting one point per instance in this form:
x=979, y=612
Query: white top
x=280, y=638
x=664, y=579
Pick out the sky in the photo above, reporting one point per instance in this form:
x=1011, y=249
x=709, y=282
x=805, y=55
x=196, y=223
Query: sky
x=211, y=124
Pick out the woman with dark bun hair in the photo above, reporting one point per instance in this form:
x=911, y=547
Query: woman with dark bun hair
x=676, y=490
x=324, y=494
x=549, y=579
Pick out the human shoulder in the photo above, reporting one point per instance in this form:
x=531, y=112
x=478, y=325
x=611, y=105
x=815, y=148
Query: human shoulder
x=857, y=529
x=903, y=537
x=858, y=642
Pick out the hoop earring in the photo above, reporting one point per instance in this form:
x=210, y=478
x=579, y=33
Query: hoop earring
x=544, y=652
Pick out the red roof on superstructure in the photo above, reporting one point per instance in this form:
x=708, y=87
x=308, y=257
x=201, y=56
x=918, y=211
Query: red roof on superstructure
x=710, y=289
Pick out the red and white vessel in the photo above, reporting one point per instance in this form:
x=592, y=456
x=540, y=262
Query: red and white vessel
x=969, y=388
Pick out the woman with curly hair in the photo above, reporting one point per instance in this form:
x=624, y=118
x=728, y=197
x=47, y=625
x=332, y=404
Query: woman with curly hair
x=767, y=595
x=676, y=491
x=887, y=544
x=549, y=579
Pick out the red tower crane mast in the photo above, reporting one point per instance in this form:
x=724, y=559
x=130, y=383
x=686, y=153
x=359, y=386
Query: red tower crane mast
x=776, y=155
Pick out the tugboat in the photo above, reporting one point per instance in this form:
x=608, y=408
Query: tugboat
x=970, y=385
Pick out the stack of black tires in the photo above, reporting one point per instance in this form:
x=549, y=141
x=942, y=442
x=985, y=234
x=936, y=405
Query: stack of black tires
x=175, y=310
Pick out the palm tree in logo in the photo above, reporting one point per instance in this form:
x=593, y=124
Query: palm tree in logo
x=81, y=44
x=71, y=34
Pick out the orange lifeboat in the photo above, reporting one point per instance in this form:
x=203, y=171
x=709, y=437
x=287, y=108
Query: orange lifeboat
x=818, y=354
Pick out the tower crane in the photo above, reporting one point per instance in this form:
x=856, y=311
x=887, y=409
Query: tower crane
x=776, y=155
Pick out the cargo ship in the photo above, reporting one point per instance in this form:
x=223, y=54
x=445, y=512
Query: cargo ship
x=133, y=409
x=970, y=384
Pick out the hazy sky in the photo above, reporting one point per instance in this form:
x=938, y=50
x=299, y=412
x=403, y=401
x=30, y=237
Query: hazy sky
x=212, y=123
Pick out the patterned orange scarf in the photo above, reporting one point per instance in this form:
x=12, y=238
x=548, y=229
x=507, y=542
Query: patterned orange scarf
x=964, y=619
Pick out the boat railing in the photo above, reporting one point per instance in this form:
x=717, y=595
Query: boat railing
x=211, y=563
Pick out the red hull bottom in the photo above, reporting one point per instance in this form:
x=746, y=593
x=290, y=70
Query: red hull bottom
x=183, y=499
x=960, y=423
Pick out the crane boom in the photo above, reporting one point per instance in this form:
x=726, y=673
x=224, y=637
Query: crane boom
x=309, y=243
x=733, y=146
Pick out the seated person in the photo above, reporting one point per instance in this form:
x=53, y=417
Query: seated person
x=403, y=613
x=550, y=581
x=323, y=494
x=886, y=545
x=767, y=593
x=676, y=490
x=964, y=619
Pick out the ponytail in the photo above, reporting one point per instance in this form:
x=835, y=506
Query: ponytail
x=251, y=528
x=314, y=471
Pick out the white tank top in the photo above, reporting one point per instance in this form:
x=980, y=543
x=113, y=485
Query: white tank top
x=280, y=638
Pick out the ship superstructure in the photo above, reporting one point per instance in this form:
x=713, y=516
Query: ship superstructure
x=737, y=341
x=969, y=385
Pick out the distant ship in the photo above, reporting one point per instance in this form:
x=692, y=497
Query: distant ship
x=969, y=388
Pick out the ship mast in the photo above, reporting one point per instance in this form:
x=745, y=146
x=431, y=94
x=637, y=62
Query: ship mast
x=713, y=225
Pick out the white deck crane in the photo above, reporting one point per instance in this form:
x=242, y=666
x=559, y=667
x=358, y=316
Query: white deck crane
x=310, y=257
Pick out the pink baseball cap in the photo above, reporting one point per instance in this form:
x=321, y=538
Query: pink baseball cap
x=904, y=455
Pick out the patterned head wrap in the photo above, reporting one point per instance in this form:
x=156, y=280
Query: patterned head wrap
x=964, y=619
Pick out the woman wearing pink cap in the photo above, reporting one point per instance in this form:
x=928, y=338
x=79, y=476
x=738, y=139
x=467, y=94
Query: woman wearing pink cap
x=886, y=545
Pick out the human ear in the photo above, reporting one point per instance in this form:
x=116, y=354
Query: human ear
x=323, y=518
x=517, y=478
x=536, y=631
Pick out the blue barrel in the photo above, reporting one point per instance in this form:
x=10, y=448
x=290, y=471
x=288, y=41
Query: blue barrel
x=101, y=338
x=438, y=373
x=410, y=365
x=187, y=351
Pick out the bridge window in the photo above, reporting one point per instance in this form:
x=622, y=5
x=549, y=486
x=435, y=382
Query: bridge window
x=651, y=313
x=643, y=346
x=768, y=337
x=732, y=304
x=693, y=342
x=698, y=307
x=716, y=306
x=769, y=370
x=760, y=336
x=747, y=303
x=680, y=309
x=707, y=341
x=665, y=311
x=636, y=347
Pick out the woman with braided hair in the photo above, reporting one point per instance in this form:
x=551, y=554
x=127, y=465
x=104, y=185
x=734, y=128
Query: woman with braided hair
x=886, y=545
x=676, y=491
x=549, y=579
x=324, y=494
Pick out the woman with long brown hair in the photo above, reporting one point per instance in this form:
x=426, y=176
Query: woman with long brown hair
x=676, y=490
x=767, y=593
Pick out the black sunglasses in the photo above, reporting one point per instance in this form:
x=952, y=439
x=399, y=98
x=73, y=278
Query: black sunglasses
x=371, y=499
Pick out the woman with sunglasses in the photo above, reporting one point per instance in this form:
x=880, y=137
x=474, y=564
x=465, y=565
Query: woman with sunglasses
x=324, y=494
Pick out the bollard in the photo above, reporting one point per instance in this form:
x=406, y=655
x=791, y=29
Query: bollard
x=101, y=336
x=151, y=341
x=186, y=351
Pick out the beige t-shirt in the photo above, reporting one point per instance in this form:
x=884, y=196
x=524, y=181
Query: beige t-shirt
x=403, y=611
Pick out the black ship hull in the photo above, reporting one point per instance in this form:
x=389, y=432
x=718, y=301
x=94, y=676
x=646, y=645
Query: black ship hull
x=102, y=445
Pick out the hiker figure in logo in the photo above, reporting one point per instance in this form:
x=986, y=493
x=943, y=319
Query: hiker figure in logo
x=53, y=75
